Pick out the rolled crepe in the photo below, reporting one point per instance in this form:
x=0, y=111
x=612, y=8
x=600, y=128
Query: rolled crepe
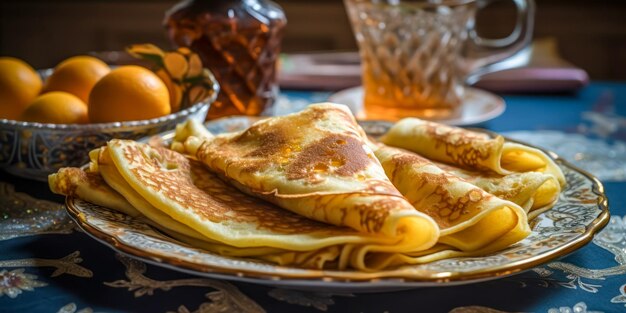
x=535, y=192
x=469, y=218
x=468, y=149
x=317, y=164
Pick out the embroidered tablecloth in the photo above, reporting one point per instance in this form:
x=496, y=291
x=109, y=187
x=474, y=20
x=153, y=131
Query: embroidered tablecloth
x=48, y=265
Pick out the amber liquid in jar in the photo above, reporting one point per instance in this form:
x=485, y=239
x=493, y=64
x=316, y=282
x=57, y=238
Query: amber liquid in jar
x=239, y=41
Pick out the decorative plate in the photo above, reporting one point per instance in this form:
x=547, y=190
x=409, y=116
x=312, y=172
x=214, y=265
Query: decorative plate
x=478, y=105
x=581, y=211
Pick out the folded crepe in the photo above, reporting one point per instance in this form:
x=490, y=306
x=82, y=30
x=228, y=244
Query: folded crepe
x=535, y=192
x=468, y=149
x=179, y=196
x=89, y=186
x=469, y=218
x=315, y=163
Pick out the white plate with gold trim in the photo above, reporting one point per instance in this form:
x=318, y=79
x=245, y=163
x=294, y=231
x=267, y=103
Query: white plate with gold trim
x=478, y=105
x=581, y=211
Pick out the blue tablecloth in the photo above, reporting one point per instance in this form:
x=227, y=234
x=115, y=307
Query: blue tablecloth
x=47, y=265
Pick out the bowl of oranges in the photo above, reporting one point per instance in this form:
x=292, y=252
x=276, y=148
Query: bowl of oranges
x=51, y=118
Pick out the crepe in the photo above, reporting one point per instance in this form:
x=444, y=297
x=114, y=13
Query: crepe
x=469, y=218
x=317, y=164
x=468, y=149
x=91, y=186
x=111, y=175
x=535, y=192
x=185, y=191
x=235, y=224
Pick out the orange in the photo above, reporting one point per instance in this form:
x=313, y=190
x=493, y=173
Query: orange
x=19, y=86
x=128, y=93
x=77, y=75
x=56, y=107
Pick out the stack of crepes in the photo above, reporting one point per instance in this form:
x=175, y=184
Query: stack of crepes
x=310, y=189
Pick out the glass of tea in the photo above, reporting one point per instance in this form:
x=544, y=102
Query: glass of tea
x=416, y=54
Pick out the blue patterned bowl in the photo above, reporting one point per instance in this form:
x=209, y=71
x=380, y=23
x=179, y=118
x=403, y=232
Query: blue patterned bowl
x=34, y=150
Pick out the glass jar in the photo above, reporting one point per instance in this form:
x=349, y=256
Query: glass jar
x=239, y=41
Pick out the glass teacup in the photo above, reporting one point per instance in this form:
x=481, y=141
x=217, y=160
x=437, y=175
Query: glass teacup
x=417, y=54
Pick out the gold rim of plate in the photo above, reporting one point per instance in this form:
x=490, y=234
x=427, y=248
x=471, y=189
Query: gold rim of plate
x=271, y=273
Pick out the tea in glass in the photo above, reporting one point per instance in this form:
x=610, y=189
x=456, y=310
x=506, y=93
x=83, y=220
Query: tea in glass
x=415, y=53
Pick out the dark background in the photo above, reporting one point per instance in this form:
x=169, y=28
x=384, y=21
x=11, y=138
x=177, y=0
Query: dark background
x=589, y=33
